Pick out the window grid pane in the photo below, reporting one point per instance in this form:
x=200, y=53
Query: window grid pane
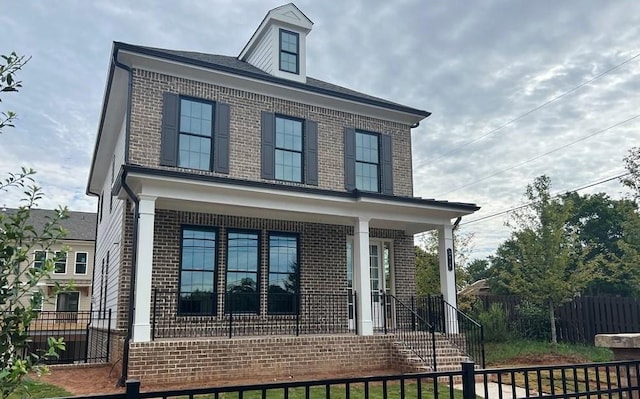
x=242, y=272
x=288, y=153
x=288, y=51
x=60, y=264
x=197, y=274
x=283, y=274
x=195, y=135
x=39, y=258
x=81, y=263
x=367, y=162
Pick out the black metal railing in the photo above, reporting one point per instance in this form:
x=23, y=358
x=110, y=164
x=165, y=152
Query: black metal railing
x=86, y=335
x=461, y=330
x=392, y=315
x=180, y=315
x=592, y=380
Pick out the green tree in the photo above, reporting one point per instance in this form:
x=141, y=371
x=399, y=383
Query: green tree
x=632, y=164
x=539, y=261
x=427, y=262
x=20, y=295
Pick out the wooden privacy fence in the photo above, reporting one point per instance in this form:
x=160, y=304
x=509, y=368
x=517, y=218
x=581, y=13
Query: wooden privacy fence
x=584, y=317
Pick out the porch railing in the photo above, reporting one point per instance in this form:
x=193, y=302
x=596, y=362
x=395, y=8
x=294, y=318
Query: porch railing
x=459, y=329
x=200, y=314
x=392, y=315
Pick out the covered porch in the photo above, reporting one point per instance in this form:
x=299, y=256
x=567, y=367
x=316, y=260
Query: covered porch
x=354, y=252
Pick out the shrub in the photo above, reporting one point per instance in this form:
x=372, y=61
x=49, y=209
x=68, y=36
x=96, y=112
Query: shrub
x=532, y=322
x=494, y=322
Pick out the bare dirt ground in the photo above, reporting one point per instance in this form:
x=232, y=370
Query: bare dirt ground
x=546, y=359
x=84, y=380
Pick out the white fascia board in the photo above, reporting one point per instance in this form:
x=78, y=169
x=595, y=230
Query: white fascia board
x=114, y=115
x=201, y=74
x=316, y=206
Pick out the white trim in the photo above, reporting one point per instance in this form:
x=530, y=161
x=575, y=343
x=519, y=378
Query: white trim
x=75, y=262
x=66, y=262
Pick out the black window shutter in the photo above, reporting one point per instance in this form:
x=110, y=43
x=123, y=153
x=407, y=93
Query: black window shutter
x=169, y=137
x=268, y=123
x=386, y=165
x=311, y=152
x=350, y=159
x=221, y=139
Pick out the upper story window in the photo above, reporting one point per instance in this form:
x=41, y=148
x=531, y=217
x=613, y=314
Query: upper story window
x=288, y=149
x=60, y=263
x=289, y=51
x=81, y=263
x=367, y=162
x=195, y=127
x=39, y=259
x=195, y=133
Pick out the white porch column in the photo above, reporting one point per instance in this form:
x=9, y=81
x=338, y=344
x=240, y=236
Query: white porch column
x=448, y=275
x=142, y=311
x=361, y=276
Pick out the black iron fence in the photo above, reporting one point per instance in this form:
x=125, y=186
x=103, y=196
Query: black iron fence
x=594, y=380
x=180, y=315
x=86, y=335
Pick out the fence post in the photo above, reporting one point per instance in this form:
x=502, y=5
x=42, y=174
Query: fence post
x=384, y=311
x=355, y=310
x=133, y=389
x=468, y=380
x=108, y=336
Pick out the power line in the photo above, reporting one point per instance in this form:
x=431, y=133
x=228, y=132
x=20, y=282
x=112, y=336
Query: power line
x=554, y=196
x=541, y=155
x=529, y=112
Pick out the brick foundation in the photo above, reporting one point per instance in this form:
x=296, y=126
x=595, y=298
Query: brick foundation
x=211, y=360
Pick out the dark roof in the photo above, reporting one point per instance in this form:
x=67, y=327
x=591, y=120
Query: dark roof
x=79, y=225
x=234, y=65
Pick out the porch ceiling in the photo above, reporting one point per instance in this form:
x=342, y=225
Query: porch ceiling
x=179, y=191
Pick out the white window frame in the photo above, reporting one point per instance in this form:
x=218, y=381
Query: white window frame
x=75, y=262
x=66, y=262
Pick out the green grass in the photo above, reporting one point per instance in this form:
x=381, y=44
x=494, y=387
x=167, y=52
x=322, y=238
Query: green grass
x=39, y=390
x=502, y=353
x=356, y=392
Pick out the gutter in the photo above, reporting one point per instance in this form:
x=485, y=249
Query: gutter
x=132, y=282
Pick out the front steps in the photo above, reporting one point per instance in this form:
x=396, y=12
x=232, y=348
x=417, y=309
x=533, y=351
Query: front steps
x=448, y=356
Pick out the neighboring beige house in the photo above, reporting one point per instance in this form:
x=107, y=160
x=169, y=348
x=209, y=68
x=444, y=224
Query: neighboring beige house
x=76, y=269
x=240, y=197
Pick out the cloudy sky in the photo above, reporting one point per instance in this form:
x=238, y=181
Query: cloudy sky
x=490, y=72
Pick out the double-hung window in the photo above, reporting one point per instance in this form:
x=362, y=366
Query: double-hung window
x=81, y=263
x=289, y=51
x=283, y=273
x=60, y=263
x=195, y=138
x=197, y=271
x=243, y=263
x=367, y=162
x=39, y=259
x=288, y=149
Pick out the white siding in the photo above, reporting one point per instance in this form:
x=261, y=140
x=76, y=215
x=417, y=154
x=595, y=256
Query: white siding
x=263, y=56
x=109, y=238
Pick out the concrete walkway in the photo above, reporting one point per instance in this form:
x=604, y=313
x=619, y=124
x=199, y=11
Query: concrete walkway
x=494, y=390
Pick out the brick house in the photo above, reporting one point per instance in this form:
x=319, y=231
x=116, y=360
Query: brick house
x=259, y=219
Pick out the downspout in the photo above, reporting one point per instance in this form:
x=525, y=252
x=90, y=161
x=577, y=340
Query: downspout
x=135, y=200
x=132, y=284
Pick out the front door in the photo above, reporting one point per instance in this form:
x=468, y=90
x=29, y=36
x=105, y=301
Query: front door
x=379, y=274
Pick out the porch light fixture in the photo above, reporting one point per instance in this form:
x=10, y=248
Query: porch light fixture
x=449, y=259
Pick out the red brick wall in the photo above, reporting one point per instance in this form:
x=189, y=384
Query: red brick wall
x=212, y=360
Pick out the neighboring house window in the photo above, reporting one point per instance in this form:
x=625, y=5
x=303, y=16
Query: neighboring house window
x=60, y=263
x=68, y=302
x=37, y=301
x=289, y=51
x=190, y=131
x=81, y=263
x=288, y=149
x=197, y=271
x=283, y=273
x=39, y=259
x=242, y=272
x=195, y=140
x=367, y=162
